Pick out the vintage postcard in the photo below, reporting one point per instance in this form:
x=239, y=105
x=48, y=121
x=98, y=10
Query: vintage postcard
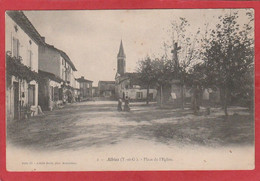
x=119, y=90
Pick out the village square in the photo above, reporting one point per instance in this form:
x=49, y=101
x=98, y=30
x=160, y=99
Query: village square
x=200, y=92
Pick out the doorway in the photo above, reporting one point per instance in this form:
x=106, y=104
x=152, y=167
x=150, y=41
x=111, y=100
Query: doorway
x=16, y=100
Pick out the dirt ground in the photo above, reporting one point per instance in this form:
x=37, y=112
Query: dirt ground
x=96, y=124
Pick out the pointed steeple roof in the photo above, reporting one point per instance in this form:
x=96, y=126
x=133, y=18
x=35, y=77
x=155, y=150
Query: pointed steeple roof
x=121, y=52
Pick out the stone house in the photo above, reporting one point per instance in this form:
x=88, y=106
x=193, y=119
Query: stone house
x=95, y=92
x=85, y=87
x=58, y=64
x=76, y=87
x=22, y=41
x=106, y=89
x=50, y=91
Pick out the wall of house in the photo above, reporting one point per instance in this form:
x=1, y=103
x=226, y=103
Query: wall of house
x=86, y=89
x=23, y=96
x=66, y=72
x=134, y=93
x=72, y=80
x=120, y=87
x=90, y=89
x=77, y=84
x=95, y=91
x=62, y=68
x=48, y=100
x=26, y=44
x=28, y=51
x=44, y=94
x=49, y=60
x=54, y=100
x=105, y=89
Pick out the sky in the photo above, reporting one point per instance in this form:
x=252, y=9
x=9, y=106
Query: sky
x=91, y=38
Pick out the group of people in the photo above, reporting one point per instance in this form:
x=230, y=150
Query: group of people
x=126, y=104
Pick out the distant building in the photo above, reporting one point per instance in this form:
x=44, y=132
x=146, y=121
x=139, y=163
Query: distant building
x=77, y=90
x=128, y=84
x=95, y=92
x=106, y=89
x=85, y=87
x=22, y=41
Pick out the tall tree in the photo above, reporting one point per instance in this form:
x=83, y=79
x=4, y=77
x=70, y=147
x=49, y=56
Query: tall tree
x=158, y=73
x=146, y=74
x=229, y=54
x=164, y=73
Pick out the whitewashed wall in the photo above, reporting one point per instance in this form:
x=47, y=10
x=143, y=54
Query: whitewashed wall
x=26, y=43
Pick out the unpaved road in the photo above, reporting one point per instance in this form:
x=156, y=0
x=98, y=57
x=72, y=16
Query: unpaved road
x=97, y=130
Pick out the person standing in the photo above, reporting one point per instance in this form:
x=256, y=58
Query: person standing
x=119, y=105
x=126, y=106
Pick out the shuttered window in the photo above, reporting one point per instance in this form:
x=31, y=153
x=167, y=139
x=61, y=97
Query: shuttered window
x=139, y=95
x=56, y=93
x=29, y=57
x=31, y=94
x=16, y=45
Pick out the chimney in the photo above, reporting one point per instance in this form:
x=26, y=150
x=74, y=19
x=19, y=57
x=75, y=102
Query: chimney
x=43, y=38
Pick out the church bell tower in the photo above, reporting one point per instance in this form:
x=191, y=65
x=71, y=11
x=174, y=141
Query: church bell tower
x=121, y=60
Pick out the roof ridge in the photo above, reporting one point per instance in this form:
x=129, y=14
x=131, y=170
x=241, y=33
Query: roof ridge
x=18, y=17
x=64, y=55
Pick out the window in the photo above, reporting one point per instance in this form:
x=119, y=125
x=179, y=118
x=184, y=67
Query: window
x=31, y=94
x=60, y=93
x=56, y=93
x=30, y=63
x=139, y=95
x=16, y=45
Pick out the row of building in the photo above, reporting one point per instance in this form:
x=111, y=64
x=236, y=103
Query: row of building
x=128, y=84
x=40, y=76
x=54, y=82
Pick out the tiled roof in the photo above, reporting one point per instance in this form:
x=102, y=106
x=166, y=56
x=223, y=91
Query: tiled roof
x=20, y=19
x=106, y=85
x=134, y=77
x=107, y=82
x=50, y=76
x=64, y=55
x=81, y=79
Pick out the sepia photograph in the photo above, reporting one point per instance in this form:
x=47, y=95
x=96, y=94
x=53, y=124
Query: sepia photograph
x=121, y=90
